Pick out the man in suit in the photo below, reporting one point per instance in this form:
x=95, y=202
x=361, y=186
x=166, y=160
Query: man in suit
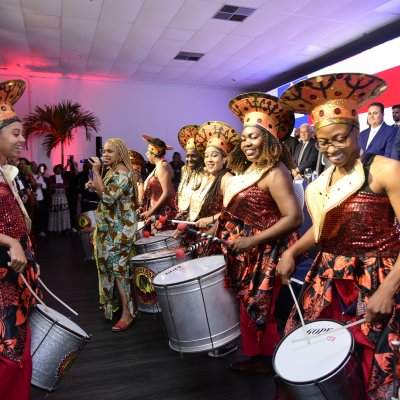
x=396, y=145
x=379, y=137
x=292, y=141
x=306, y=154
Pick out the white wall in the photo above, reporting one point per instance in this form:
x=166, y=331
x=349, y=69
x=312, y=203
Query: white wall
x=127, y=110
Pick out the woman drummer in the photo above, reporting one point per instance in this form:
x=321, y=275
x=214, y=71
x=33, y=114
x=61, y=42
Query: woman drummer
x=138, y=162
x=159, y=193
x=260, y=214
x=192, y=172
x=16, y=256
x=355, y=210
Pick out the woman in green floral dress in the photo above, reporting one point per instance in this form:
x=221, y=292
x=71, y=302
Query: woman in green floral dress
x=115, y=230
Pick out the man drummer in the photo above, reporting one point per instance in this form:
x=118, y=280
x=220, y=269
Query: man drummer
x=354, y=207
x=16, y=257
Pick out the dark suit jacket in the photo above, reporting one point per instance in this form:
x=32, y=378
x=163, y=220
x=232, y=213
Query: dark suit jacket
x=309, y=158
x=382, y=143
x=396, y=145
x=291, y=143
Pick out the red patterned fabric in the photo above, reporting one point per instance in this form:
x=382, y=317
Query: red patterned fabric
x=252, y=274
x=372, y=215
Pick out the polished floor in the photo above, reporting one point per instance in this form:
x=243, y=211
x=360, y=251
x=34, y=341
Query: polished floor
x=137, y=363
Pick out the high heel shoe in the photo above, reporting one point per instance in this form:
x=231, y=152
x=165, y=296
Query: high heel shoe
x=122, y=326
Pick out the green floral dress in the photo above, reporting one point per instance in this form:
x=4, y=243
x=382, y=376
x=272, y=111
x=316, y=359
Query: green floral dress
x=114, y=237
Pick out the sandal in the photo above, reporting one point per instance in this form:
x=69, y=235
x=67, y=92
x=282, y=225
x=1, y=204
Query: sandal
x=121, y=326
x=251, y=365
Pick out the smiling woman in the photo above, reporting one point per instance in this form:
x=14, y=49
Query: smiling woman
x=355, y=211
x=16, y=256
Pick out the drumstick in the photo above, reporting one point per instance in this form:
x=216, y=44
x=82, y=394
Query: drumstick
x=201, y=234
x=37, y=297
x=306, y=337
x=347, y=326
x=178, y=221
x=59, y=300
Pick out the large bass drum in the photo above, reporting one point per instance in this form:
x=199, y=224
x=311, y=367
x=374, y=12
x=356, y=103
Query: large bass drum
x=324, y=369
x=56, y=342
x=199, y=313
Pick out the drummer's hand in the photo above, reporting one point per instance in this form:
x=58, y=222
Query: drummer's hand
x=146, y=215
x=17, y=257
x=177, y=234
x=95, y=163
x=204, y=222
x=242, y=244
x=286, y=266
x=89, y=184
x=380, y=305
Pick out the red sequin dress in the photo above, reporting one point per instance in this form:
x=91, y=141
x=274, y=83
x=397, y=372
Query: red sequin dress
x=15, y=298
x=153, y=191
x=252, y=274
x=359, y=244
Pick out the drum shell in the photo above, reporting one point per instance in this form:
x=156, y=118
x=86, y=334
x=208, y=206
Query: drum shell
x=344, y=384
x=86, y=236
x=140, y=230
x=149, y=268
x=200, y=314
x=90, y=217
x=146, y=245
x=53, y=348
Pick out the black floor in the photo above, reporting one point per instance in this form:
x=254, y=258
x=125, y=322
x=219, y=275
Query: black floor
x=136, y=364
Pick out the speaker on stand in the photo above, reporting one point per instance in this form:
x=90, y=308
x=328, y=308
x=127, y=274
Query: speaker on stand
x=99, y=146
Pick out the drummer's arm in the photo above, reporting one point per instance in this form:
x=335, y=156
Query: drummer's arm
x=380, y=305
x=16, y=253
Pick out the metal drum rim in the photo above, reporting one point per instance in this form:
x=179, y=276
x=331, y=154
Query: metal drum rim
x=323, y=377
x=87, y=337
x=172, y=255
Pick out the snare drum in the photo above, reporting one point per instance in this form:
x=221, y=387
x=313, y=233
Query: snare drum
x=56, y=342
x=144, y=268
x=199, y=313
x=87, y=219
x=153, y=243
x=325, y=368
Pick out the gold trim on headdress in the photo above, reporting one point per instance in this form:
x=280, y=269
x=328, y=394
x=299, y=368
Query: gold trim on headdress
x=261, y=109
x=155, y=148
x=186, y=137
x=10, y=93
x=333, y=98
x=216, y=134
x=136, y=158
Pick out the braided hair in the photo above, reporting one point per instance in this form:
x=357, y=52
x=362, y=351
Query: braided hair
x=123, y=158
x=272, y=153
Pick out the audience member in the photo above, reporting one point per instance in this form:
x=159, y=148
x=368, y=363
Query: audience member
x=293, y=141
x=72, y=190
x=40, y=215
x=306, y=153
x=379, y=137
x=396, y=145
x=176, y=165
x=88, y=198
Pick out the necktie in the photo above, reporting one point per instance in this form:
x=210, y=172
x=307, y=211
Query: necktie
x=301, y=153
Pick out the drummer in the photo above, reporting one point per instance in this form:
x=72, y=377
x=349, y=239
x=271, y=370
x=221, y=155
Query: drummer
x=138, y=162
x=16, y=256
x=159, y=193
x=260, y=214
x=192, y=172
x=215, y=140
x=354, y=205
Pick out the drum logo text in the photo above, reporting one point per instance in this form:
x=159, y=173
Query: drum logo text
x=144, y=286
x=317, y=331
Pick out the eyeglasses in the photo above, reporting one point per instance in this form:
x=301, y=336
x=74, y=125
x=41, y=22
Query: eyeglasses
x=338, y=142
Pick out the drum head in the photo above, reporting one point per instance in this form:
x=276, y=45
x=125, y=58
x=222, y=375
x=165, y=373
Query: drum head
x=55, y=316
x=140, y=225
x=300, y=362
x=189, y=270
x=154, y=255
x=152, y=239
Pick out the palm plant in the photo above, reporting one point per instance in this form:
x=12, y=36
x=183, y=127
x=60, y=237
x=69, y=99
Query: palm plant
x=58, y=122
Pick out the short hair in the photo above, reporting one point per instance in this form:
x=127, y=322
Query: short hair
x=57, y=166
x=395, y=106
x=377, y=104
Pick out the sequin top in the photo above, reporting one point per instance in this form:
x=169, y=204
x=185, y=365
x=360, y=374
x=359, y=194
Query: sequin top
x=255, y=207
x=12, y=221
x=367, y=222
x=153, y=192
